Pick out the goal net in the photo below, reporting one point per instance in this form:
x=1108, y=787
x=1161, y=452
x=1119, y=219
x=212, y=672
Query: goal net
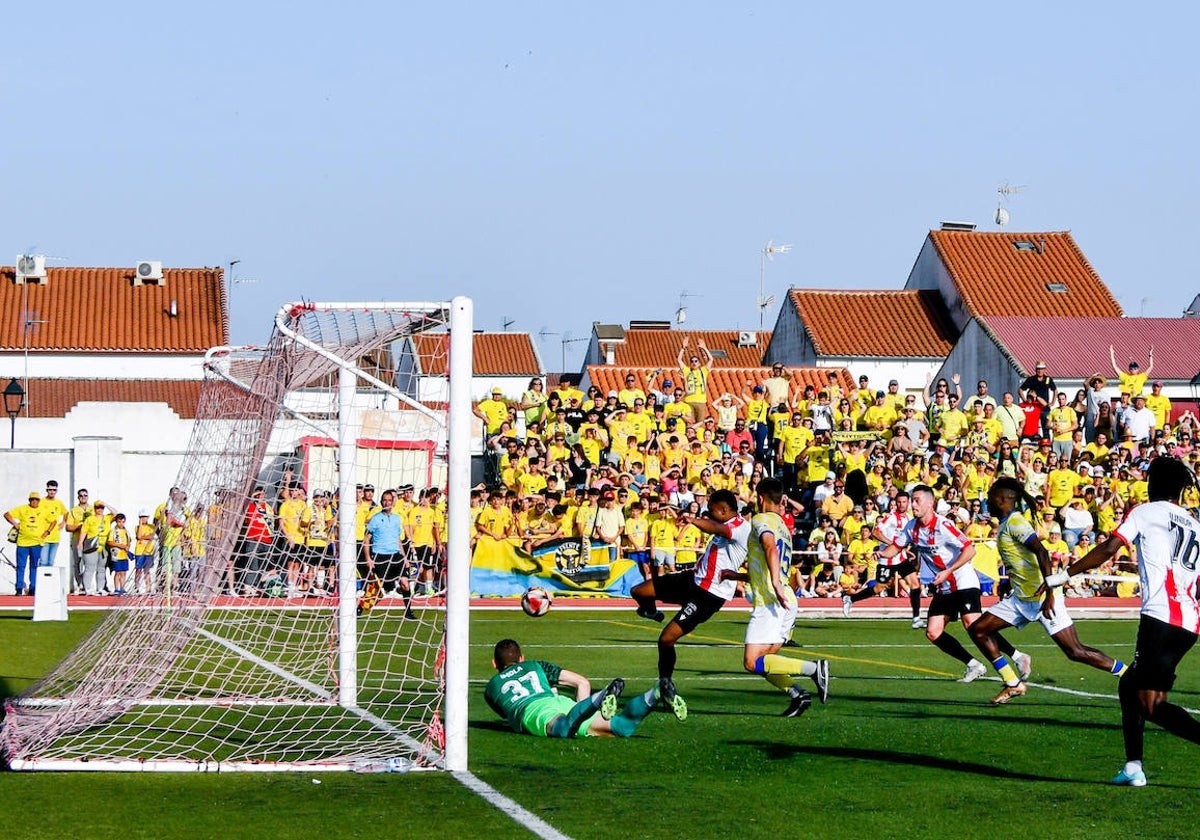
x=261, y=638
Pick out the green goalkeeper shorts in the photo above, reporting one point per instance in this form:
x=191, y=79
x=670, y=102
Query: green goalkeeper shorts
x=538, y=715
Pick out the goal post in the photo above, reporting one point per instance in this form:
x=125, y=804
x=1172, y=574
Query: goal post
x=263, y=636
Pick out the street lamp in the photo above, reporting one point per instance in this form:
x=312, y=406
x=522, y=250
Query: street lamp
x=14, y=401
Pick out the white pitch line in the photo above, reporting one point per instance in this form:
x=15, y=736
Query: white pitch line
x=515, y=811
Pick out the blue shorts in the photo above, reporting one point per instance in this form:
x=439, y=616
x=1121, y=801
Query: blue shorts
x=120, y=565
x=143, y=561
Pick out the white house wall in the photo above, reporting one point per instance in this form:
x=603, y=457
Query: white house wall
x=929, y=272
x=101, y=366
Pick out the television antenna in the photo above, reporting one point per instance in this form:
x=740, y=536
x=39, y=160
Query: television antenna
x=681, y=311
x=506, y=322
x=1006, y=191
x=765, y=301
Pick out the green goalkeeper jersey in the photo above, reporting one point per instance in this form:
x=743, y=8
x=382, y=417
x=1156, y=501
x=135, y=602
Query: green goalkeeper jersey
x=511, y=691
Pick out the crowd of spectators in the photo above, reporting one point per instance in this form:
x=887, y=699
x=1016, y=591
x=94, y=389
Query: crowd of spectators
x=618, y=468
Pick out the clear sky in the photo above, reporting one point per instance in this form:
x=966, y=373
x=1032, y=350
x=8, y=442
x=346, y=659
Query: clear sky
x=568, y=163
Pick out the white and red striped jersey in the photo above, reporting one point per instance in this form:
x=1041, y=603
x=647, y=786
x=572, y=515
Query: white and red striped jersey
x=724, y=553
x=938, y=546
x=1167, y=542
x=889, y=526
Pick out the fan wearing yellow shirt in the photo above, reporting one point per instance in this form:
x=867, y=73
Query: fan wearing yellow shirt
x=495, y=521
x=663, y=531
x=1063, y=421
x=56, y=513
x=635, y=539
x=320, y=533
x=1132, y=381
x=860, y=553
x=1061, y=484
x=879, y=416
x=32, y=526
x=951, y=424
x=1097, y=450
x=1158, y=402
x=695, y=374
x=816, y=459
x=421, y=525
x=687, y=546
x=631, y=392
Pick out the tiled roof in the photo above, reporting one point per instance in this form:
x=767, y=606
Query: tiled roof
x=723, y=380
x=1078, y=347
x=99, y=309
x=995, y=277
x=56, y=397
x=495, y=354
x=659, y=348
x=885, y=323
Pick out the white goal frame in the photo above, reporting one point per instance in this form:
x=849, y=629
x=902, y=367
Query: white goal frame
x=32, y=710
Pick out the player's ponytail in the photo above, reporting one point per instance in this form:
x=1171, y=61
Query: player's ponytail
x=1007, y=484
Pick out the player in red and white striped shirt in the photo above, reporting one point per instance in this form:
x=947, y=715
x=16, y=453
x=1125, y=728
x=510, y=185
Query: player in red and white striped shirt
x=944, y=554
x=1167, y=542
x=886, y=531
x=699, y=593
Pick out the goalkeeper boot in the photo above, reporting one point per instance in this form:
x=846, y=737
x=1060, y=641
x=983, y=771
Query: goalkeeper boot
x=671, y=700
x=608, y=701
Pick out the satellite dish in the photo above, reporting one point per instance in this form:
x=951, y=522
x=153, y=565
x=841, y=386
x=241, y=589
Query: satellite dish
x=1001, y=216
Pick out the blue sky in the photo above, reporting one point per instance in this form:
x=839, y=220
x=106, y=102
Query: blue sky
x=570, y=163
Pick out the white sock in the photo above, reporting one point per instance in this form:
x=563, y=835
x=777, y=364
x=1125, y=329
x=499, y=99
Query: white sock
x=808, y=668
x=1132, y=767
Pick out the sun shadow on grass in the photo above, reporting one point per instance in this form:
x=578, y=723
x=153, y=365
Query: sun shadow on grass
x=782, y=752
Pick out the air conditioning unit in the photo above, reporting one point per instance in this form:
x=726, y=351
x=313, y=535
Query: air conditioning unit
x=148, y=273
x=747, y=339
x=31, y=268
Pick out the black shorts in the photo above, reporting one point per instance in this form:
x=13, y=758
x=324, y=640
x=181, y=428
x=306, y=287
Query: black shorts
x=884, y=574
x=425, y=556
x=319, y=555
x=955, y=605
x=1160, y=647
x=696, y=605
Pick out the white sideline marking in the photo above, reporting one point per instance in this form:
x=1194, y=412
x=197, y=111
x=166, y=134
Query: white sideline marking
x=516, y=812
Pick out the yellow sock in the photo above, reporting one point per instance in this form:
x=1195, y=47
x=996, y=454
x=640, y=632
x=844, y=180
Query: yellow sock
x=773, y=663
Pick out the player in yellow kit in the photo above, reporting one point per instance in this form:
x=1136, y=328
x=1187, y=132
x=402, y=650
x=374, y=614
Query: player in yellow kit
x=1028, y=565
x=774, y=614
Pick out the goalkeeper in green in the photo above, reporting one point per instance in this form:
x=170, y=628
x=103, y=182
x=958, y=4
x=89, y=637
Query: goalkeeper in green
x=523, y=693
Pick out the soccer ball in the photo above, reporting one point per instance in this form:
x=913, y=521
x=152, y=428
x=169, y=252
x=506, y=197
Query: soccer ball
x=535, y=601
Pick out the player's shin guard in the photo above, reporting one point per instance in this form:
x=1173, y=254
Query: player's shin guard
x=1006, y=671
x=1133, y=725
x=773, y=663
x=951, y=646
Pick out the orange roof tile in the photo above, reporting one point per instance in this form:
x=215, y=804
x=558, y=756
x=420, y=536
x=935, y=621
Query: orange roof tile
x=724, y=380
x=99, y=309
x=495, y=354
x=995, y=277
x=659, y=348
x=869, y=323
x=56, y=397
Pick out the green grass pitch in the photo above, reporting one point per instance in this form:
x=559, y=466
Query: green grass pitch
x=901, y=749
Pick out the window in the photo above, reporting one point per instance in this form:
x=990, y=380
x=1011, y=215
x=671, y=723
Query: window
x=1025, y=245
x=1059, y=288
